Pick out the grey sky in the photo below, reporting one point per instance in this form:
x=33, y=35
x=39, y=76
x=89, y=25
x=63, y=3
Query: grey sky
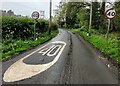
x=26, y=7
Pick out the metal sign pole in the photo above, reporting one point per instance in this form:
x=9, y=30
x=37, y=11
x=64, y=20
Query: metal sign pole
x=35, y=16
x=34, y=29
x=108, y=28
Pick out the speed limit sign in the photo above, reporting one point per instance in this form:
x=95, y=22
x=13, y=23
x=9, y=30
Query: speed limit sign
x=35, y=15
x=110, y=14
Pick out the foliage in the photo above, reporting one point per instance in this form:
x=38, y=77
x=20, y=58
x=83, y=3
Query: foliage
x=76, y=15
x=13, y=27
x=54, y=26
x=68, y=14
x=13, y=47
x=23, y=28
x=96, y=15
x=18, y=34
x=103, y=20
x=116, y=20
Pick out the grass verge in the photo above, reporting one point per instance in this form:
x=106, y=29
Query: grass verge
x=13, y=47
x=109, y=46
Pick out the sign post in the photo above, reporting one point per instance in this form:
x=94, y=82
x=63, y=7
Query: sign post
x=34, y=29
x=35, y=16
x=108, y=28
x=110, y=14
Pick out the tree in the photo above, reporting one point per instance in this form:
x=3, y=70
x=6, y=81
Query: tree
x=10, y=13
x=68, y=14
x=102, y=25
x=116, y=20
x=96, y=15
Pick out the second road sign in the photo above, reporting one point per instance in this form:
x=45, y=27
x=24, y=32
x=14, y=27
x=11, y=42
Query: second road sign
x=110, y=14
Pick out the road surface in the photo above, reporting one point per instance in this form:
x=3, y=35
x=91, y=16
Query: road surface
x=66, y=59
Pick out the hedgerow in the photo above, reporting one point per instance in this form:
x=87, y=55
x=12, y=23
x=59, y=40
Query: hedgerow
x=18, y=34
x=23, y=28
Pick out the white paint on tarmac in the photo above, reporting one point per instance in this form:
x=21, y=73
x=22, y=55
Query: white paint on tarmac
x=50, y=54
x=46, y=50
x=19, y=70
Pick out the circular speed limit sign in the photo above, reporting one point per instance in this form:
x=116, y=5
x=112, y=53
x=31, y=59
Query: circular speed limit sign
x=110, y=14
x=35, y=15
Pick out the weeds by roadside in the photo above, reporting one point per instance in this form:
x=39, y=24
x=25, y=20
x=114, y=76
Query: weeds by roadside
x=109, y=46
x=13, y=47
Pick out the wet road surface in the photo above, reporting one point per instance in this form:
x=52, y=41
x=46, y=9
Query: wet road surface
x=66, y=59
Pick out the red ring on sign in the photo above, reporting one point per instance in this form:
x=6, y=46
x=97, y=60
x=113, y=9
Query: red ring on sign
x=36, y=13
x=109, y=10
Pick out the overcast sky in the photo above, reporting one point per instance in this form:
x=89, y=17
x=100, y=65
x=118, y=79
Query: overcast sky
x=26, y=7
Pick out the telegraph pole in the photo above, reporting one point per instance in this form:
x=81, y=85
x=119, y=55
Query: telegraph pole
x=50, y=19
x=90, y=22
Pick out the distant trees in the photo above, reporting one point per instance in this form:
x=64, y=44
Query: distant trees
x=96, y=15
x=76, y=14
x=8, y=13
x=68, y=14
x=102, y=24
x=72, y=14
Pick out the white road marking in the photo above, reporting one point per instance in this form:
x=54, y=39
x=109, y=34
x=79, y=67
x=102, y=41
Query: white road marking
x=44, y=51
x=49, y=53
x=19, y=70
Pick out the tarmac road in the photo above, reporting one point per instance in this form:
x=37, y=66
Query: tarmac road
x=66, y=59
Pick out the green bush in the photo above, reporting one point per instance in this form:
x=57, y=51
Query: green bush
x=18, y=34
x=23, y=28
x=43, y=25
x=16, y=46
x=117, y=22
x=54, y=26
x=13, y=27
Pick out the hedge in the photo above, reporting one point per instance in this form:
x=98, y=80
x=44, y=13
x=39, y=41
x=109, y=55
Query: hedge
x=23, y=28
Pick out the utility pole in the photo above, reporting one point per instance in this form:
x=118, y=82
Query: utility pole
x=90, y=22
x=50, y=19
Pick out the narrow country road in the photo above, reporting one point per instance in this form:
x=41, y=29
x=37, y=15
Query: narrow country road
x=66, y=59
